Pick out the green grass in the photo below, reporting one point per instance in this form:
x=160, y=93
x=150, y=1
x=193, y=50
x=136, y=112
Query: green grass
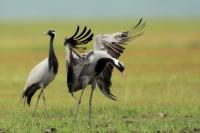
x=159, y=91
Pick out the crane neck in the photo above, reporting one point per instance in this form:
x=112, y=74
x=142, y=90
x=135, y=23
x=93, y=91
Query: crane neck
x=52, y=57
x=51, y=48
x=71, y=54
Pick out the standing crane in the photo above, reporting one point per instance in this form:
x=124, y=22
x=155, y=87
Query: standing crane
x=95, y=67
x=42, y=74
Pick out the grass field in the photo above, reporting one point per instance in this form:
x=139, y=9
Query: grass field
x=159, y=91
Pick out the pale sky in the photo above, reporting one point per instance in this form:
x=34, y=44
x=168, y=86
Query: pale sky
x=97, y=9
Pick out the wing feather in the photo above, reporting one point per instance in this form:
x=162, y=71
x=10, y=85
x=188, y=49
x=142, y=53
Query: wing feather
x=85, y=34
x=104, y=81
x=82, y=32
x=82, y=38
x=113, y=44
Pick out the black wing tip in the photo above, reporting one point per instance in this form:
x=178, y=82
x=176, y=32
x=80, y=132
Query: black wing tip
x=107, y=93
x=136, y=31
x=140, y=21
x=141, y=24
x=111, y=96
x=115, y=99
x=77, y=30
x=82, y=33
x=83, y=38
x=138, y=27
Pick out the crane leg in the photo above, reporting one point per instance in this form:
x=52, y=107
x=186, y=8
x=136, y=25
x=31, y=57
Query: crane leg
x=37, y=102
x=79, y=102
x=24, y=101
x=90, y=107
x=44, y=100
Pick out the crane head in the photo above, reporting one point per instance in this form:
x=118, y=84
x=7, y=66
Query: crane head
x=51, y=33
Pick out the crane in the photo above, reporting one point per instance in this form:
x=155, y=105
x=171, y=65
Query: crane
x=42, y=74
x=95, y=67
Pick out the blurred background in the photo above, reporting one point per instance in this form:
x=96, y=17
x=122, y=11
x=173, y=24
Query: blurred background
x=162, y=66
x=77, y=9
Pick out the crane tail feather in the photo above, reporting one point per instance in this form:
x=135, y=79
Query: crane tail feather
x=29, y=92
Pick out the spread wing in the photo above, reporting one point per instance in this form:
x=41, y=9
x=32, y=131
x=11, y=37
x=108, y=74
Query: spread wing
x=113, y=44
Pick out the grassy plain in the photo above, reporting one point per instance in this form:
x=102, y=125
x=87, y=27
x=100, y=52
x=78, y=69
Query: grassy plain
x=159, y=91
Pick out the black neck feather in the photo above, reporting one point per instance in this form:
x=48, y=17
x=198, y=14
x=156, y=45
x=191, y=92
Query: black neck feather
x=53, y=63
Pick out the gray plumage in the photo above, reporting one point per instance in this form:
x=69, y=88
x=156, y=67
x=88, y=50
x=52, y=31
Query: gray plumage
x=96, y=66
